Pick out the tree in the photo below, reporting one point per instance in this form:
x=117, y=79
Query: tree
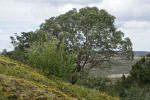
x=52, y=60
x=20, y=43
x=4, y=51
x=140, y=72
x=90, y=33
x=23, y=42
x=127, y=49
x=137, y=82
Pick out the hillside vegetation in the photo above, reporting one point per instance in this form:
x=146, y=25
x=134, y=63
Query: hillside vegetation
x=21, y=82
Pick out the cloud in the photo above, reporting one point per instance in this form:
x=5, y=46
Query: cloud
x=77, y=2
x=5, y=41
x=132, y=16
x=60, y=2
x=139, y=33
x=18, y=12
x=126, y=10
x=137, y=25
x=27, y=13
x=1, y=30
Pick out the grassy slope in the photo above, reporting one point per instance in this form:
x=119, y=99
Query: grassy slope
x=19, y=81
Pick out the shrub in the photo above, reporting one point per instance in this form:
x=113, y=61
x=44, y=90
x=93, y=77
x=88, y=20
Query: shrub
x=137, y=84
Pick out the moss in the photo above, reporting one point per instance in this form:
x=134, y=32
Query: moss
x=17, y=77
x=15, y=89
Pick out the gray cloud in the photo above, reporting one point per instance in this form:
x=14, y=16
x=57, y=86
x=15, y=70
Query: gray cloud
x=128, y=10
x=132, y=16
x=5, y=41
x=60, y=2
x=81, y=2
x=139, y=33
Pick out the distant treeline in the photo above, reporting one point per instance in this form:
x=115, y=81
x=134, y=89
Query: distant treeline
x=141, y=53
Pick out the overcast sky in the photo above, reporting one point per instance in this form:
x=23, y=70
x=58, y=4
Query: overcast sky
x=132, y=17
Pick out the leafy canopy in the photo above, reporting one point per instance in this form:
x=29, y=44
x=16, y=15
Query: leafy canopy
x=89, y=33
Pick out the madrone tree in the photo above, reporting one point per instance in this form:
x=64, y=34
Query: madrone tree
x=89, y=33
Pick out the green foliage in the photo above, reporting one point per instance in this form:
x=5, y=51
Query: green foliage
x=129, y=91
x=22, y=42
x=137, y=84
x=94, y=41
x=52, y=60
x=140, y=72
x=24, y=77
x=127, y=49
x=2, y=97
x=99, y=83
x=138, y=93
x=66, y=44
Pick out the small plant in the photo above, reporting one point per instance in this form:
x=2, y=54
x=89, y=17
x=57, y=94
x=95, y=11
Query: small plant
x=2, y=97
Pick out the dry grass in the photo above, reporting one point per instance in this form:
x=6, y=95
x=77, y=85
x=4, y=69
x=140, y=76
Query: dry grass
x=118, y=66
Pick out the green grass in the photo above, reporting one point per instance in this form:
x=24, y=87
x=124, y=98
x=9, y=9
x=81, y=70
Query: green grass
x=20, y=81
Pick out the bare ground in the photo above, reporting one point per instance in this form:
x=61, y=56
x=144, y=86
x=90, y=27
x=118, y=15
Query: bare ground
x=117, y=69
